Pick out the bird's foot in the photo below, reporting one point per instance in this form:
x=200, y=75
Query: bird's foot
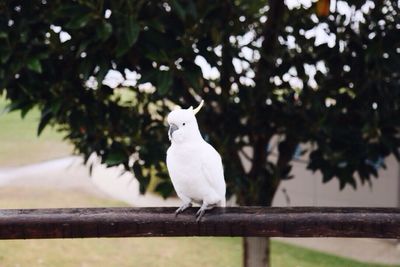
x=202, y=210
x=183, y=208
x=200, y=213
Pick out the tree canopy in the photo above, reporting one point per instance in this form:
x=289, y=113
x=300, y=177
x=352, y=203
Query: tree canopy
x=292, y=74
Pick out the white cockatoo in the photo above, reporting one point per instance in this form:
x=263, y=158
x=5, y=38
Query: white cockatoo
x=194, y=166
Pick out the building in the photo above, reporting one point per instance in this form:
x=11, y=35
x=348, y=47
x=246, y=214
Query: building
x=307, y=189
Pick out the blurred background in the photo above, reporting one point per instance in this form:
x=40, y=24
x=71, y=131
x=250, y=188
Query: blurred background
x=302, y=100
x=42, y=172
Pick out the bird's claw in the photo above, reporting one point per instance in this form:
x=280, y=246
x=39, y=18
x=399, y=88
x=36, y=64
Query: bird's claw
x=200, y=214
x=182, y=208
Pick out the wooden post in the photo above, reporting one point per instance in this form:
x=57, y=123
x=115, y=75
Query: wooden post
x=237, y=221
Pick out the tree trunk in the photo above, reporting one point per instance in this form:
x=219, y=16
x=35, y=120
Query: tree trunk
x=256, y=249
x=256, y=252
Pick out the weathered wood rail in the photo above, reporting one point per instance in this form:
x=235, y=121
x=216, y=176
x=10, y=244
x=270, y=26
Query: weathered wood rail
x=235, y=221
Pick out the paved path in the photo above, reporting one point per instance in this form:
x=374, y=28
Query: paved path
x=69, y=173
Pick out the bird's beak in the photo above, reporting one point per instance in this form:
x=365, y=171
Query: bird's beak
x=172, y=129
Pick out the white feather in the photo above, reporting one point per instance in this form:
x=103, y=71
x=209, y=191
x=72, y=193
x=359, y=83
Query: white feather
x=195, y=167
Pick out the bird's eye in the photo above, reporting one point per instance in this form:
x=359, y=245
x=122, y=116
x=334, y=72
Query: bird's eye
x=184, y=124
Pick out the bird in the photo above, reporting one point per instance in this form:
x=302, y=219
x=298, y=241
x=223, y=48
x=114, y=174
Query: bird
x=194, y=166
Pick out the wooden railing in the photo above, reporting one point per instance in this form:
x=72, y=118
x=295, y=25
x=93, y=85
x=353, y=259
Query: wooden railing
x=235, y=221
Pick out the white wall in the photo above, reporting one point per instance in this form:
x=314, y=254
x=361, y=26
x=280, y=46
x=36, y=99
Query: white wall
x=307, y=189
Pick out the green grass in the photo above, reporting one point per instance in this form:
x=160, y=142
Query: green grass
x=19, y=143
x=124, y=252
x=290, y=255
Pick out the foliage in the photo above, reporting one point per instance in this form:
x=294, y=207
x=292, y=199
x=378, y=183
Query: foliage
x=276, y=80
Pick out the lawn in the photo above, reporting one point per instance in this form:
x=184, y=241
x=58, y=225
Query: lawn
x=19, y=143
x=124, y=252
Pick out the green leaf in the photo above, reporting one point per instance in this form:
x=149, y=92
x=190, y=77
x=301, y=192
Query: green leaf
x=132, y=30
x=396, y=153
x=143, y=180
x=79, y=21
x=164, y=82
x=3, y=35
x=86, y=68
x=5, y=54
x=23, y=37
x=157, y=55
x=115, y=158
x=149, y=76
x=156, y=24
x=191, y=9
x=129, y=36
x=194, y=76
x=56, y=106
x=19, y=104
x=44, y=120
x=165, y=189
x=25, y=110
x=34, y=64
x=180, y=11
x=216, y=35
x=104, y=31
x=82, y=47
x=103, y=70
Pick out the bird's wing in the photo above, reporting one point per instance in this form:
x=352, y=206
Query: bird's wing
x=211, y=166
